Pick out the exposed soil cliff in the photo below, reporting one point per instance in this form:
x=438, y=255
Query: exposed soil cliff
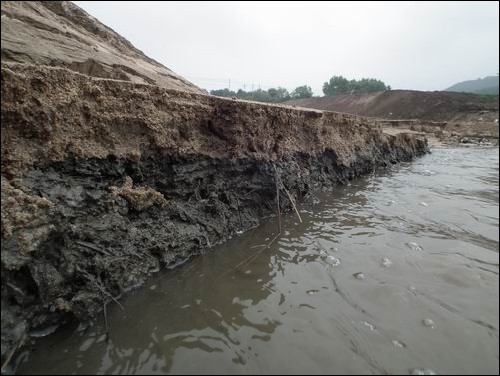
x=106, y=181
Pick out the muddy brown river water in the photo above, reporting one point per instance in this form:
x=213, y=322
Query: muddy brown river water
x=396, y=273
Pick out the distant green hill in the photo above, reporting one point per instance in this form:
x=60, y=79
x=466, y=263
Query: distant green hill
x=487, y=85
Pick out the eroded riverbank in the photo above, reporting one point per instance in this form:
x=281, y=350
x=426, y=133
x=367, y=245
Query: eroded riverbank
x=105, y=182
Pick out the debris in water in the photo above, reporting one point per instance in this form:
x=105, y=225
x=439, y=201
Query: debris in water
x=424, y=204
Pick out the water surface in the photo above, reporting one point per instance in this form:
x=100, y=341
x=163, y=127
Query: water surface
x=396, y=273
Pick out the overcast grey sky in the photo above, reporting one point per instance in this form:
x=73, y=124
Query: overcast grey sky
x=409, y=45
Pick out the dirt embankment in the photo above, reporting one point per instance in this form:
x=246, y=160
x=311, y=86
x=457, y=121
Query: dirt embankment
x=405, y=104
x=450, y=117
x=106, y=181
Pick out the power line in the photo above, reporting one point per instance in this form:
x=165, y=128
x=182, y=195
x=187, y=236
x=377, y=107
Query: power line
x=233, y=83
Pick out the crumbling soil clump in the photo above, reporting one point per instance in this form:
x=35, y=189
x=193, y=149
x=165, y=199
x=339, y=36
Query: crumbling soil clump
x=138, y=198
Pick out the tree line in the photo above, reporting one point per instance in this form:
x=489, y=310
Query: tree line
x=272, y=95
x=341, y=85
x=335, y=86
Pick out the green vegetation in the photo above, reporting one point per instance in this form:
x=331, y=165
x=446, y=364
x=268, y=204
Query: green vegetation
x=273, y=95
x=341, y=85
x=302, y=92
x=336, y=85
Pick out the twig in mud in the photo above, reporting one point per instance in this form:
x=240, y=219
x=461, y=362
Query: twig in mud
x=249, y=193
x=277, y=199
x=272, y=241
x=114, y=299
x=251, y=258
x=291, y=200
x=11, y=354
x=92, y=247
x=239, y=213
x=267, y=246
x=97, y=283
x=106, y=320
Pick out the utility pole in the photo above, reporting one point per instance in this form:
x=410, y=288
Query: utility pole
x=229, y=84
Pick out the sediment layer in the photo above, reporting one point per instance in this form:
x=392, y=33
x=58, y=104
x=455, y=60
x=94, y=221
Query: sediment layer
x=105, y=182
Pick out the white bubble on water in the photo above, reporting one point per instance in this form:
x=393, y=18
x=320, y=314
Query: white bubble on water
x=369, y=325
x=422, y=371
x=414, y=246
x=429, y=323
x=398, y=344
x=333, y=260
x=386, y=262
x=359, y=276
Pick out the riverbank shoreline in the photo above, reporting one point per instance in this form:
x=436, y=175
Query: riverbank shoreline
x=105, y=182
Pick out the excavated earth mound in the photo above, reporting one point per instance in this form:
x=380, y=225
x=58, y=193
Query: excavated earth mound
x=435, y=106
x=448, y=117
x=106, y=181
x=59, y=33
